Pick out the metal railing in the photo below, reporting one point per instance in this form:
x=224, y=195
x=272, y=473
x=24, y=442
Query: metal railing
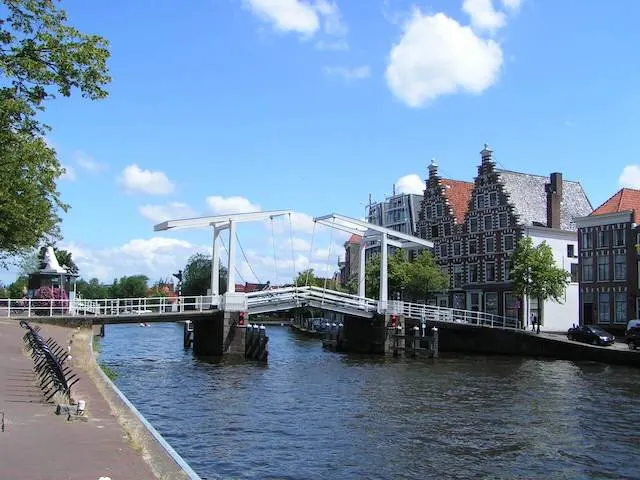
x=421, y=312
x=283, y=298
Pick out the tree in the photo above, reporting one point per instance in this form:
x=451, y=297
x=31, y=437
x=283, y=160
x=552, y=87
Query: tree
x=40, y=56
x=93, y=289
x=535, y=274
x=63, y=257
x=196, y=276
x=417, y=279
x=308, y=277
x=134, y=286
x=18, y=287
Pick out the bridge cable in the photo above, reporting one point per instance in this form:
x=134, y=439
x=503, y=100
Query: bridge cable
x=246, y=259
x=236, y=267
x=328, y=259
x=313, y=234
x=293, y=256
x=275, y=257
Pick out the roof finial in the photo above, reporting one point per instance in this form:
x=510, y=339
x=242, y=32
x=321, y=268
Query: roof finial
x=486, y=154
x=433, y=167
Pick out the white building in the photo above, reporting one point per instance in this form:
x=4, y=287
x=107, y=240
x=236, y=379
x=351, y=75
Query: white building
x=558, y=316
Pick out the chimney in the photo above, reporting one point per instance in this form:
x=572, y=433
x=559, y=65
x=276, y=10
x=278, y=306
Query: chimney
x=554, y=200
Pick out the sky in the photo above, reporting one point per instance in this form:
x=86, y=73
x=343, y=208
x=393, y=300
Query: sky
x=313, y=105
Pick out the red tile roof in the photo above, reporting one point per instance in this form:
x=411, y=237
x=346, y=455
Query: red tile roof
x=624, y=200
x=459, y=194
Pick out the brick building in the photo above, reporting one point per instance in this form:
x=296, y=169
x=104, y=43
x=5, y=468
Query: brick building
x=476, y=226
x=608, y=245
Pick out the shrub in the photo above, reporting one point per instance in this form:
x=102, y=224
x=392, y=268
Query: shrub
x=43, y=298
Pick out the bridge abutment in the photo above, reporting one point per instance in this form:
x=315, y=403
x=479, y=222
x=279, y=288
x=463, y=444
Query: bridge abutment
x=363, y=335
x=209, y=335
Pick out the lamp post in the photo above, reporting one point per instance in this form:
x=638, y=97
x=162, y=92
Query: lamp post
x=527, y=303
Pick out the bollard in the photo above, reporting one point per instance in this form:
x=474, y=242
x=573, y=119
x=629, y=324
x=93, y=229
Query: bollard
x=435, y=342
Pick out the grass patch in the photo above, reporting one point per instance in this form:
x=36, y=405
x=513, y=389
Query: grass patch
x=97, y=347
x=108, y=371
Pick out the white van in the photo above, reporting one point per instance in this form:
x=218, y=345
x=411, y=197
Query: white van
x=633, y=324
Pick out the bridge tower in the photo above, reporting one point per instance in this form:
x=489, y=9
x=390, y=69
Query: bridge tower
x=225, y=333
x=372, y=236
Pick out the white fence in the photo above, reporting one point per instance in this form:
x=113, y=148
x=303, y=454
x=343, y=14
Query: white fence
x=261, y=301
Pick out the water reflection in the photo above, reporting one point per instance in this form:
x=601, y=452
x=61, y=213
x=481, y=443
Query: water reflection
x=314, y=414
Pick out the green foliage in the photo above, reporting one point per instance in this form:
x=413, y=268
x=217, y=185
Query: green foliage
x=40, y=56
x=534, y=272
x=134, y=286
x=308, y=277
x=4, y=291
x=416, y=279
x=17, y=288
x=109, y=372
x=196, y=277
x=93, y=289
x=29, y=263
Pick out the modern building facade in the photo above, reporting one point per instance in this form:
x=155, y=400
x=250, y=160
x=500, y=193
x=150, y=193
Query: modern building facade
x=608, y=247
x=476, y=226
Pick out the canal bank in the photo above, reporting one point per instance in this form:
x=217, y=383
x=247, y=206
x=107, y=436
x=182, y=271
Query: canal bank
x=115, y=441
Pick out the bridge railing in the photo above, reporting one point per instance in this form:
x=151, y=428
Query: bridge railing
x=50, y=307
x=452, y=315
x=332, y=297
x=279, y=295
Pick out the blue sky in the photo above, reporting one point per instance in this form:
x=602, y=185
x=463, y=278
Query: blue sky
x=312, y=105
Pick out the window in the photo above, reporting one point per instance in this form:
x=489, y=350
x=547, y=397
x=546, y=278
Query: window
x=488, y=222
x=434, y=231
x=473, y=247
x=447, y=229
x=620, y=267
x=491, y=303
x=443, y=250
x=511, y=304
x=438, y=210
x=571, y=250
x=427, y=212
x=621, y=307
x=587, y=240
x=507, y=270
x=603, y=268
x=473, y=273
x=574, y=272
x=457, y=249
x=490, y=271
x=618, y=238
x=603, y=308
x=587, y=269
x=473, y=225
x=493, y=199
x=480, y=201
x=458, y=273
x=508, y=243
x=489, y=245
x=503, y=220
x=603, y=238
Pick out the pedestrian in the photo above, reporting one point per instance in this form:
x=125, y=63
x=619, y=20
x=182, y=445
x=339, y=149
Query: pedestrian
x=532, y=321
x=536, y=323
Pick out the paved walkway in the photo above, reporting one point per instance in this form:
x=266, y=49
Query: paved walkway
x=37, y=444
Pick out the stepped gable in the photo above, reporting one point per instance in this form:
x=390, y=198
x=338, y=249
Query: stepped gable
x=528, y=196
x=624, y=200
x=457, y=194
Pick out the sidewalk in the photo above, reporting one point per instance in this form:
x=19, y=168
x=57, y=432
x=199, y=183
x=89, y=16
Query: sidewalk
x=37, y=444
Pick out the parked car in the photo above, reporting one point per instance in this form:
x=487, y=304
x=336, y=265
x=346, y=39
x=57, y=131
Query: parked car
x=633, y=334
x=591, y=334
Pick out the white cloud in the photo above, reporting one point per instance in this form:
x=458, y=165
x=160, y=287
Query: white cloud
x=299, y=245
x=305, y=17
x=287, y=15
x=438, y=56
x=222, y=205
x=69, y=173
x=411, y=183
x=156, y=257
x=169, y=211
x=483, y=15
x=348, y=74
x=512, y=4
x=630, y=176
x=134, y=179
x=88, y=163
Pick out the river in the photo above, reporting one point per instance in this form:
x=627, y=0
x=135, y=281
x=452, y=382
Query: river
x=314, y=414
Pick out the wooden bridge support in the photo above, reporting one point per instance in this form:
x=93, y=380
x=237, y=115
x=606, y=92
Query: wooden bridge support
x=221, y=334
